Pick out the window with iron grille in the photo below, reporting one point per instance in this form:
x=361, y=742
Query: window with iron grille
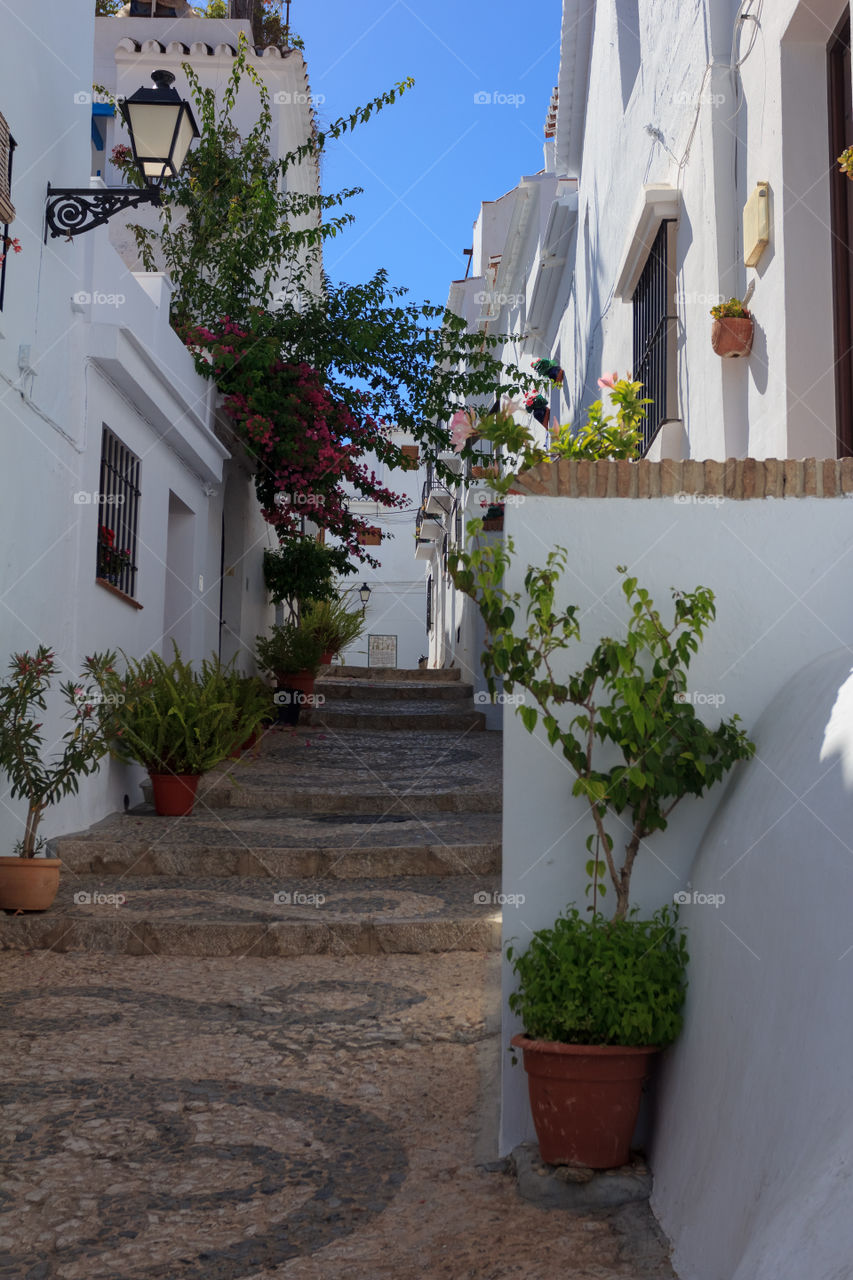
x=118, y=514
x=7, y=209
x=655, y=333
x=429, y=604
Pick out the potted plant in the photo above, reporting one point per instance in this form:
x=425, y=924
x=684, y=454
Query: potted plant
x=112, y=560
x=291, y=654
x=304, y=569
x=29, y=881
x=247, y=696
x=549, y=369
x=599, y=997
x=493, y=520
x=536, y=404
x=175, y=722
x=732, y=330
x=334, y=624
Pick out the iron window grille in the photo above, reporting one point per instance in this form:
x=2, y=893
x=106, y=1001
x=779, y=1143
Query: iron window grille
x=7, y=209
x=429, y=605
x=655, y=333
x=118, y=514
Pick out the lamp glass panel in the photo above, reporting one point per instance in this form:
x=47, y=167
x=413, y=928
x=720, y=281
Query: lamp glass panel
x=153, y=129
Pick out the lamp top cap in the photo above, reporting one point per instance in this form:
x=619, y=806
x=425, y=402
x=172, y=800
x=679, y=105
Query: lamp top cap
x=163, y=79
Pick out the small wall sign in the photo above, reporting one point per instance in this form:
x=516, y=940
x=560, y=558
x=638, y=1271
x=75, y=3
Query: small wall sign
x=382, y=651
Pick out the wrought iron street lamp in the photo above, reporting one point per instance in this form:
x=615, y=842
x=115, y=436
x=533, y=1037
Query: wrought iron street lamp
x=161, y=126
x=364, y=595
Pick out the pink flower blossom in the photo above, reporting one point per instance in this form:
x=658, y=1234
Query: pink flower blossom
x=608, y=380
x=462, y=427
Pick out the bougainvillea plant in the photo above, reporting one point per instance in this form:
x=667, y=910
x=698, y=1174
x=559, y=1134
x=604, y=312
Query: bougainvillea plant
x=307, y=442
x=7, y=243
x=240, y=236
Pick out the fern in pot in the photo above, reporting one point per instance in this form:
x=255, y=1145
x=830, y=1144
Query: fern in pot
x=175, y=722
x=599, y=997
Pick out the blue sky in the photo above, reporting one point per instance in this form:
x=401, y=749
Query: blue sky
x=427, y=162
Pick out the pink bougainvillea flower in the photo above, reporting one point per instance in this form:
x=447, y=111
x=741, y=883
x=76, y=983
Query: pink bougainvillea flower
x=608, y=380
x=463, y=424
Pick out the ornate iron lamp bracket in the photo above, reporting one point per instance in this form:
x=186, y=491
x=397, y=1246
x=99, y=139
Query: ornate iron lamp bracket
x=71, y=211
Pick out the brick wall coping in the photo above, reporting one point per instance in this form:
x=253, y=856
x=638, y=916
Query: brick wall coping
x=736, y=478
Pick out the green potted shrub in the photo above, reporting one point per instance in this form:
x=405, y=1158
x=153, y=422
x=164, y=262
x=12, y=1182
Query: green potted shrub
x=334, y=624
x=291, y=654
x=304, y=569
x=29, y=882
x=599, y=998
x=733, y=329
x=176, y=722
x=249, y=698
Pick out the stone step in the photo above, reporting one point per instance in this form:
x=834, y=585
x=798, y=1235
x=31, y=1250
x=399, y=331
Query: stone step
x=426, y=716
x=262, y=795
x=240, y=843
x=424, y=674
x=252, y=917
x=403, y=691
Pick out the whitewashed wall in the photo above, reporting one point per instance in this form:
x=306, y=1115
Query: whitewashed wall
x=779, y=569
x=719, y=134
x=85, y=342
x=754, y=1121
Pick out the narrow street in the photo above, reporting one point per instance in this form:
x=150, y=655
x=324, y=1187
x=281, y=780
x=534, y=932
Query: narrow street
x=278, y=1055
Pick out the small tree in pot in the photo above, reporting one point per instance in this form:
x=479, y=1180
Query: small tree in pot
x=28, y=883
x=600, y=997
x=291, y=653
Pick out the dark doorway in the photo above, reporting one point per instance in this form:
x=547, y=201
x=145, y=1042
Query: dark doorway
x=841, y=197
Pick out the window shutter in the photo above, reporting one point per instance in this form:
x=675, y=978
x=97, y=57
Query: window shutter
x=7, y=209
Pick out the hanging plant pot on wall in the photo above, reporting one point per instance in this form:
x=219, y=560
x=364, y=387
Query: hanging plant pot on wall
x=731, y=336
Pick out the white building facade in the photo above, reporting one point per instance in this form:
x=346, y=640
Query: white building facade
x=106, y=420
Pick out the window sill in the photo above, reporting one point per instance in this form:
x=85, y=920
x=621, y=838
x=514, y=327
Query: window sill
x=114, y=590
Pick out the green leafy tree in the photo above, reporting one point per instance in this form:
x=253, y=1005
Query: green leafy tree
x=239, y=241
x=626, y=703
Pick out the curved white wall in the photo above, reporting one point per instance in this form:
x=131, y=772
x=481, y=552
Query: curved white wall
x=754, y=1134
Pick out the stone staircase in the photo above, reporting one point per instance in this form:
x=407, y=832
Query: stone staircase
x=320, y=840
x=391, y=698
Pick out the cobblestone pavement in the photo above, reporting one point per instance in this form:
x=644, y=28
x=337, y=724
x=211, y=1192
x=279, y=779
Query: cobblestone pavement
x=315, y=1118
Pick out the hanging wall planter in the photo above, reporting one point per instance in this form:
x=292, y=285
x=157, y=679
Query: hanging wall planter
x=732, y=336
x=732, y=330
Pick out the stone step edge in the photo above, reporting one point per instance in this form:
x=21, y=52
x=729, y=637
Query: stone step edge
x=256, y=939
x=426, y=674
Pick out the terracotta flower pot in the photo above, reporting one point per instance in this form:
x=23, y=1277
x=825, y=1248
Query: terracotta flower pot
x=328, y=657
x=584, y=1099
x=174, y=793
x=493, y=524
x=28, y=884
x=732, y=335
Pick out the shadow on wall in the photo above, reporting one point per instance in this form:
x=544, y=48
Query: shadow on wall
x=754, y=1127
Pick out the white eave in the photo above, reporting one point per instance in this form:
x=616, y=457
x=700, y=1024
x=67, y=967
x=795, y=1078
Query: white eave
x=556, y=244
x=575, y=49
x=658, y=202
